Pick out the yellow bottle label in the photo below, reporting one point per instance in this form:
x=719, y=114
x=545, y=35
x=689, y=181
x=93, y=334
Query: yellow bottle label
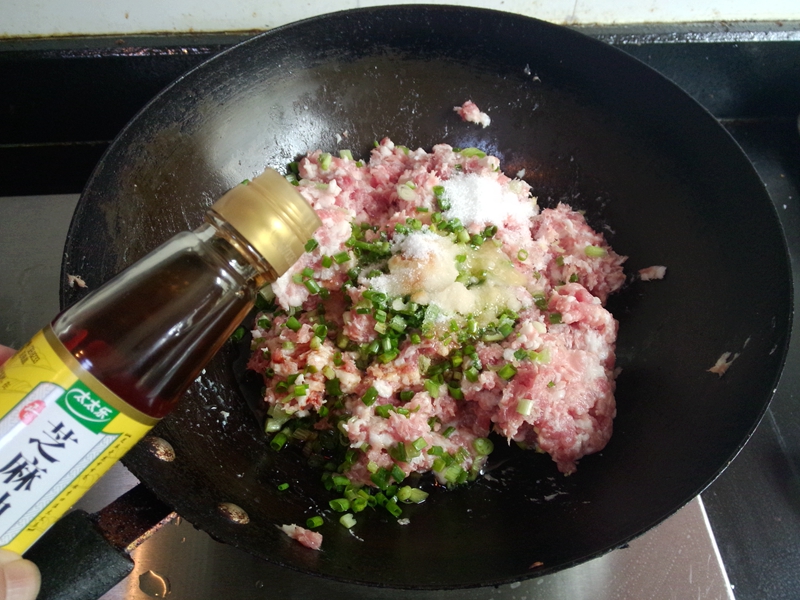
x=60, y=430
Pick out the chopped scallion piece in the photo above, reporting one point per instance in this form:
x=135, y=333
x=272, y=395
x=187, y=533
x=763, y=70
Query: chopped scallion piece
x=432, y=388
x=347, y=520
x=312, y=286
x=314, y=522
x=555, y=318
x=483, y=446
x=467, y=152
x=397, y=473
x=393, y=508
x=340, y=504
x=283, y=486
x=419, y=444
x=311, y=245
x=383, y=410
x=346, y=154
x=525, y=407
x=507, y=371
x=370, y=396
x=278, y=442
x=293, y=324
x=595, y=251
x=325, y=161
x=522, y=254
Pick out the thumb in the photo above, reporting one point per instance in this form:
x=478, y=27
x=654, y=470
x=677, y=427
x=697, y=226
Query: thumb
x=19, y=578
x=5, y=353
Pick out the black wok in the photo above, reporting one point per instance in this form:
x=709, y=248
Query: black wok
x=590, y=126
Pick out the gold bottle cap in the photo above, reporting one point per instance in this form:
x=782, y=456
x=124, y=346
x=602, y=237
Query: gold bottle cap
x=272, y=216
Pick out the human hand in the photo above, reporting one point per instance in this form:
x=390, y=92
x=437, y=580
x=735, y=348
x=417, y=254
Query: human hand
x=5, y=353
x=19, y=578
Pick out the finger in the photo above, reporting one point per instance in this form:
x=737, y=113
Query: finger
x=21, y=580
x=7, y=556
x=5, y=353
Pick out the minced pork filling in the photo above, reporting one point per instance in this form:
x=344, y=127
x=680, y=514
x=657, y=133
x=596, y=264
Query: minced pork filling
x=436, y=304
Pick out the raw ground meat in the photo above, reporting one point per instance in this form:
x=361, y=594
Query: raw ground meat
x=438, y=304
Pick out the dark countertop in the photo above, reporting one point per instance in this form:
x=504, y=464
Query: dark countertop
x=64, y=100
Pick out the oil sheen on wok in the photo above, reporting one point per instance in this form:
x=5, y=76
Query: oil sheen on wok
x=436, y=304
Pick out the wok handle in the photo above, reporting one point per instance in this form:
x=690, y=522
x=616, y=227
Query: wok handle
x=84, y=555
x=76, y=561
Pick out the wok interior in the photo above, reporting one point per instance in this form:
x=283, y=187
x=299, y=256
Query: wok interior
x=591, y=127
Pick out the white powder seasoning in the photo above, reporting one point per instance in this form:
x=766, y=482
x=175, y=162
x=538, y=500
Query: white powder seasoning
x=476, y=199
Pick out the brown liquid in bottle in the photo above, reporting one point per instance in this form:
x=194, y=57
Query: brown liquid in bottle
x=147, y=334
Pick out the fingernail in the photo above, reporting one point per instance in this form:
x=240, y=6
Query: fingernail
x=22, y=580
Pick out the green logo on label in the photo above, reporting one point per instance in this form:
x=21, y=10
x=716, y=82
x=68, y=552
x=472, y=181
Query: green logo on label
x=86, y=407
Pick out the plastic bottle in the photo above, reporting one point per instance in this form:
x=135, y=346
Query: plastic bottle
x=86, y=388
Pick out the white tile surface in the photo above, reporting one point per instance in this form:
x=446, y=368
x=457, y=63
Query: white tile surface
x=88, y=17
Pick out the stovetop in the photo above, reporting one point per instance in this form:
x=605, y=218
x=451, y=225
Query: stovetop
x=64, y=100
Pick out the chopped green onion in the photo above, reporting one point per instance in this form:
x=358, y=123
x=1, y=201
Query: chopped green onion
x=314, y=522
x=341, y=257
x=312, y=286
x=525, y=407
x=283, y=486
x=237, y=335
x=432, y=388
x=325, y=161
x=397, y=473
x=293, y=324
x=327, y=261
x=278, y=442
x=333, y=387
x=398, y=452
x=595, y=251
x=370, y=396
x=472, y=374
x=483, y=446
x=522, y=254
x=455, y=392
x=507, y=371
x=406, y=395
x=383, y=410
x=346, y=154
x=398, y=323
x=347, y=520
x=419, y=444
x=555, y=318
x=380, y=477
x=311, y=245
x=472, y=152
x=340, y=504
x=392, y=507
x=448, y=432
x=453, y=473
